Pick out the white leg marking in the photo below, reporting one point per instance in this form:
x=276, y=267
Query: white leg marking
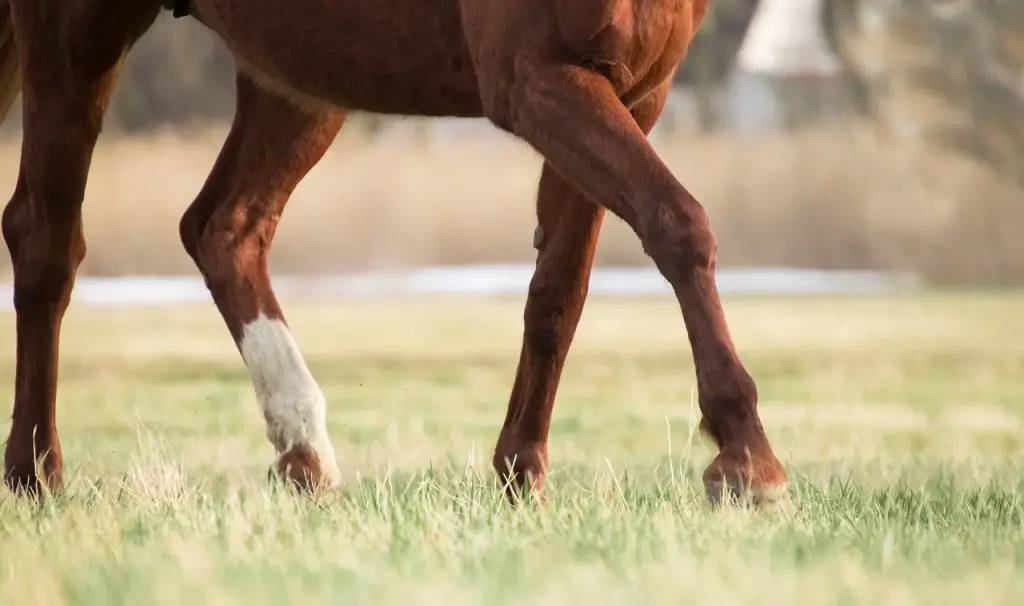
x=292, y=403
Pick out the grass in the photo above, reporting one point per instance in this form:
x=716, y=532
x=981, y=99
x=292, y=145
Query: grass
x=899, y=418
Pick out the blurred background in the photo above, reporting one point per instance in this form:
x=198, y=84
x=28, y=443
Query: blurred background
x=882, y=135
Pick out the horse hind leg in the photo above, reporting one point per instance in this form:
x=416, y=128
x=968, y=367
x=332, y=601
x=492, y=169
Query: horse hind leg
x=228, y=231
x=68, y=68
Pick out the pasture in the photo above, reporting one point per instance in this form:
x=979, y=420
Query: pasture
x=899, y=418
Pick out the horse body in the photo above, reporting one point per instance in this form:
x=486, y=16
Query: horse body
x=420, y=58
x=581, y=81
x=406, y=58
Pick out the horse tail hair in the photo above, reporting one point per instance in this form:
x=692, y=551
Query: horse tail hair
x=10, y=79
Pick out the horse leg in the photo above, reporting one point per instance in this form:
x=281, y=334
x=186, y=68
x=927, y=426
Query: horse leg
x=228, y=231
x=568, y=226
x=574, y=118
x=68, y=68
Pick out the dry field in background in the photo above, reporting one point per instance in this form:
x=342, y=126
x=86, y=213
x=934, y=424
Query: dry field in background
x=899, y=418
x=832, y=199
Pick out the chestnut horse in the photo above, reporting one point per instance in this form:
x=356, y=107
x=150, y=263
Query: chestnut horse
x=581, y=81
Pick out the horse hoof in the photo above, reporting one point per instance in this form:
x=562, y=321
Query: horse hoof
x=304, y=469
x=521, y=471
x=734, y=491
x=23, y=478
x=758, y=481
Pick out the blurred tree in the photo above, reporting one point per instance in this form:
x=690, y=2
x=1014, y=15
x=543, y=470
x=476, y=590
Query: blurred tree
x=711, y=55
x=178, y=73
x=942, y=72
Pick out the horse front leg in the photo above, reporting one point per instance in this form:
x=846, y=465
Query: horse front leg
x=568, y=226
x=228, y=231
x=68, y=67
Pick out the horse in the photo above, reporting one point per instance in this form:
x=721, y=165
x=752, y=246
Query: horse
x=582, y=82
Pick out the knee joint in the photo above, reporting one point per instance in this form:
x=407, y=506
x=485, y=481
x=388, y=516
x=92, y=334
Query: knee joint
x=190, y=230
x=728, y=404
x=45, y=256
x=679, y=236
x=13, y=218
x=217, y=257
x=223, y=250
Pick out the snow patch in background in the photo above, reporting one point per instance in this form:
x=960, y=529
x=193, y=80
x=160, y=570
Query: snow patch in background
x=478, y=280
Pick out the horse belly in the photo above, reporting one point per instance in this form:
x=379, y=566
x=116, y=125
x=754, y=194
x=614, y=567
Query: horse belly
x=385, y=56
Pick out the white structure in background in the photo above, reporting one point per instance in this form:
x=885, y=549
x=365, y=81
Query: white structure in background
x=785, y=38
x=785, y=46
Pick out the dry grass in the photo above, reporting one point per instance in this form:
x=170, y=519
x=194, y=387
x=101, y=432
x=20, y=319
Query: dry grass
x=824, y=199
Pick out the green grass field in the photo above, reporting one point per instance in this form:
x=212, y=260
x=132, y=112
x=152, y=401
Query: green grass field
x=901, y=420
